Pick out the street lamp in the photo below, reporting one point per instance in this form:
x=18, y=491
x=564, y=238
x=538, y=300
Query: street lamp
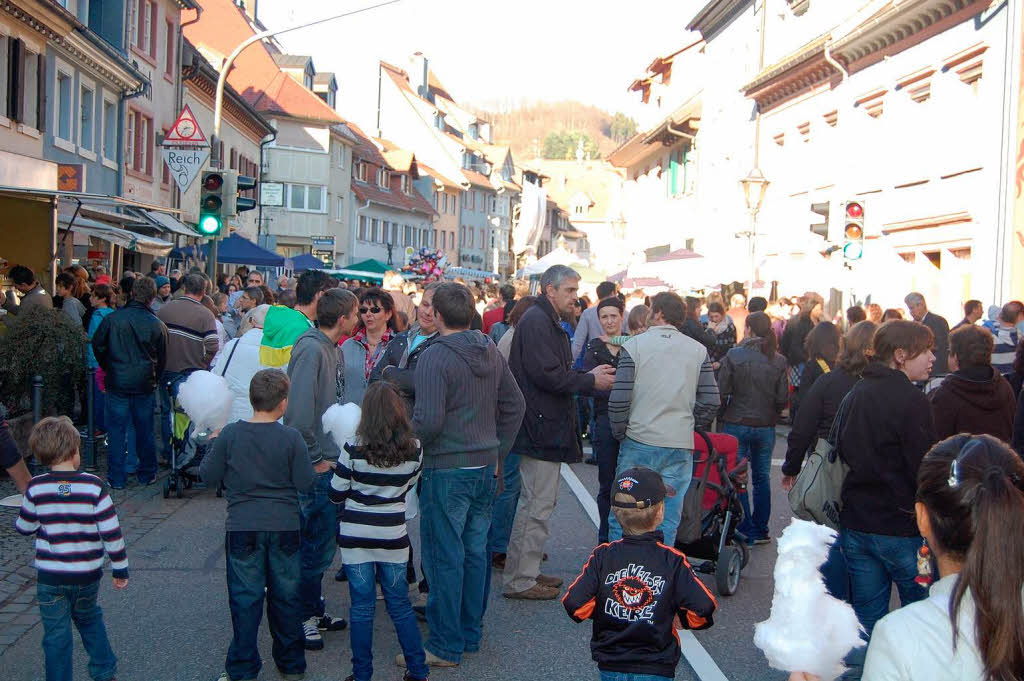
x=755, y=184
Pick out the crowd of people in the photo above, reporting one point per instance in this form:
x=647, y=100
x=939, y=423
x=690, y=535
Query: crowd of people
x=472, y=398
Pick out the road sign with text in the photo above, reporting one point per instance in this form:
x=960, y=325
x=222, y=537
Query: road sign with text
x=185, y=164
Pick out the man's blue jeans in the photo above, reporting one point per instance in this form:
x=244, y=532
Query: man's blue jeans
x=138, y=411
x=59, y=606
x=258, y=561
x=318, y=542
x=362, y=580
x=504, y=512
x=623, y=676
x=606, y=451
x=456, y=515
x=756, y=445
x=675, y=465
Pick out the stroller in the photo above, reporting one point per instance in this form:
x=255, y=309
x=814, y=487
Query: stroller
x=187, y=451
x=712, y=511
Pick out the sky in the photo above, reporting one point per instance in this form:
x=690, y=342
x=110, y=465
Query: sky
x=486, y=51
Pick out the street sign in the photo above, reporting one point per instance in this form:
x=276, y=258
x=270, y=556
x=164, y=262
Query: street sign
x=186, y=131
x=271, y=194
x=323, y=243
x=185, y=164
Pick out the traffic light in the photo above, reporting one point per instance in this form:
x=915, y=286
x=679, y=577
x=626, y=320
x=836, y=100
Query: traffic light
x=244, y=183
x=853, y=230
x=211, y=203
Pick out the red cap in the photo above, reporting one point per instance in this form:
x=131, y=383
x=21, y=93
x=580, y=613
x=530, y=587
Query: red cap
x=103, y=279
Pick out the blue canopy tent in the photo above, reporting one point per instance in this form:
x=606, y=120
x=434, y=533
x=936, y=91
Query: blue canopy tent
x=307, y=261
x=234, y=250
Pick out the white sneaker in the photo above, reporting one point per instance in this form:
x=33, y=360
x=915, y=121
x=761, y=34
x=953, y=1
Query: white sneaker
x=314, y=641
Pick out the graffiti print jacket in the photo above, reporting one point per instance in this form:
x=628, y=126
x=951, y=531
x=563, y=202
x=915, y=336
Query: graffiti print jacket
x=633, y=589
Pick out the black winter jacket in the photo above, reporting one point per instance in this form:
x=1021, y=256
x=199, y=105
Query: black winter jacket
x=756, y=387
x=594, y=355
x=887, y=429
x=633, y=589
x=793, y=337
x=398, y=365
x=541, y=361
x=131, y=346
x=814, y=420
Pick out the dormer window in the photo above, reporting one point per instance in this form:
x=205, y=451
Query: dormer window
x=406, y=184
x=383, y=177
x=360, y=171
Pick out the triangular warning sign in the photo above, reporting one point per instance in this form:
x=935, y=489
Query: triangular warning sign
x=186, y=130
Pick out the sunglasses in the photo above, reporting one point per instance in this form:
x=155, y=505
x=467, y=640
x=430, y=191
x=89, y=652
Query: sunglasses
x=374, y=310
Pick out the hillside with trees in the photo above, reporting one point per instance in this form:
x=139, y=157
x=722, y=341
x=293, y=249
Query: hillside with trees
x=554, y=129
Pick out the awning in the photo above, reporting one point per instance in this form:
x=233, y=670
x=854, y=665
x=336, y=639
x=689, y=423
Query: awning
x=356, y=274
x=467, y=272
x=163, y=221
x=115, y=235
x=233, y=250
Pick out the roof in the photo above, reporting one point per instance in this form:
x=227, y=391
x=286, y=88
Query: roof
x=323, y=78
x=292, y=61
x=367, y=150
x=679, y=254
x=434, y=84
x=478, y=179
x=398, y=159
x=448, y=182
x=255, y=75
x=598, y=179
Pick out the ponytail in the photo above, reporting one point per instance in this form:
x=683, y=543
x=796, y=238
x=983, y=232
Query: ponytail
x=760, y=325
x=993, y=571
x=971, y=488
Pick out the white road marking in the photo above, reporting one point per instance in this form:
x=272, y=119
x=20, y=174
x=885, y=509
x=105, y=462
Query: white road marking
x=701, y=662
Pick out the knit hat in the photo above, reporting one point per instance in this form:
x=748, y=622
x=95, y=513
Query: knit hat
x=162, y=281
x=103, y=279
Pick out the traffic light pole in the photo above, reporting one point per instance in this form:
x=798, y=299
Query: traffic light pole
x=225, y=68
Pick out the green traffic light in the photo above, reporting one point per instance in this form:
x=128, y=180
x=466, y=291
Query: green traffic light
x=209, y=224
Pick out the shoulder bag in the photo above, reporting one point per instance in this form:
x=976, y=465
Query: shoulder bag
x=816, y=494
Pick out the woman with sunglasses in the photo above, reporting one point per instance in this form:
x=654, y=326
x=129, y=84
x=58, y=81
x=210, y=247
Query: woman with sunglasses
x=361, y=352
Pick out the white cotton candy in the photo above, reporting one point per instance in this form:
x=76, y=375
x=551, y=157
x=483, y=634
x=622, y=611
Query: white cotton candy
x=206, y=398
x=808, y=630
x=341, y=421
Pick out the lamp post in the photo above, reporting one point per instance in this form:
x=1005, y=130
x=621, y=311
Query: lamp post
x=755, y=184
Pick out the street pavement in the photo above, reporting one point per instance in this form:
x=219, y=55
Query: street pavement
x=173, y=621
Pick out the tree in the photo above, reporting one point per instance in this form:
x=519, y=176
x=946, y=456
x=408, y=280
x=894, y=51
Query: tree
x=562, y=145
x=621, y=128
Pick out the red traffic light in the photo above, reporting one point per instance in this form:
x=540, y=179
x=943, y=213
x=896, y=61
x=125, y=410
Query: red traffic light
x=853, y=232
x=855, y=210
x=213, y=182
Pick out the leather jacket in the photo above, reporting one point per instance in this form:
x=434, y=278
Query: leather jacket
x=131, y=346
x=756, y=386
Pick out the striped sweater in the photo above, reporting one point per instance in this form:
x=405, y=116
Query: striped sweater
x=372, y=528
x=191, y=334
x=75, y=523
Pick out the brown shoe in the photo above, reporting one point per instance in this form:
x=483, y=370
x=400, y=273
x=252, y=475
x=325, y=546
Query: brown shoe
x=548, y=580
x=537, y=592
x=498, y=561
x=432, y=660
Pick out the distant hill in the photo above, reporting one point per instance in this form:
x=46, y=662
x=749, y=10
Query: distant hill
x=551, y=129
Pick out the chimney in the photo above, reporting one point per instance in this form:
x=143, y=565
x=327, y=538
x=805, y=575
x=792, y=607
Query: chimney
x=418, y=70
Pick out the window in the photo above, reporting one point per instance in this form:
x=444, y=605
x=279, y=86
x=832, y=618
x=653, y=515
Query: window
x=406, y=184
x=462, y=236
x=465, y=200
x=143, y=26
x=139, y=147
x=360, y=171
x=4, y=67
x=451, y=239
x=382, y=179
x=361, y=234
x=341, y=209
x=109, y=127
x=493, y=201
x=306, y=198
x=233, y=159
x=87, y=119
x=483, y=237
x=472, y=237
x=129, y=150
x=169, y=33
x=378, y=235
x=64, y=100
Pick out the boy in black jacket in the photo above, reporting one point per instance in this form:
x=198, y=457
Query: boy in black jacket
x=637, y=589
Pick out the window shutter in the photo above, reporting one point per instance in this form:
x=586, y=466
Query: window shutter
x=15, y=80
x=40, y=95
x=153, y=14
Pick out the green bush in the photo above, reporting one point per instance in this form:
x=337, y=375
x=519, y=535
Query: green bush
x=46, y=343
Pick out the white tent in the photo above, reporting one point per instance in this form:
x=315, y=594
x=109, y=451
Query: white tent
x=559, y=256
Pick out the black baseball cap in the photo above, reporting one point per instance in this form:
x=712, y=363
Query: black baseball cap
x=644, y=485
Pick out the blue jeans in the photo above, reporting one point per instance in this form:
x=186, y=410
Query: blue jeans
x=168, y=389
x=136, y=410
x=362, y=579
x=835, y=572
x=756, y=444
x=606, y=450
x=675, y=465
x=504, y=512
x=623, y=676
x=319, y=527
x=456, y=515
x=59, y=606
x=875, y=562
x=258, y=561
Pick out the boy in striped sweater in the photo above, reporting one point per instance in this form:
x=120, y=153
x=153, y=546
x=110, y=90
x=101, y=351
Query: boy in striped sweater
x=75, y=524
x=371, y=482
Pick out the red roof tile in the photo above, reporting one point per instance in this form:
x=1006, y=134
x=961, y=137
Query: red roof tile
x=366, y=150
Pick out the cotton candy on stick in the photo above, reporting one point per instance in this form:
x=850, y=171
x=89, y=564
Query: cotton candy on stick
x=341, y=421
x=206, y=398
x=808, y=630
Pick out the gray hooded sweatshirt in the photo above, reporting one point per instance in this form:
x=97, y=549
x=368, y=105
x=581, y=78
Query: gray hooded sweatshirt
x=314, y=372
x=468, y=407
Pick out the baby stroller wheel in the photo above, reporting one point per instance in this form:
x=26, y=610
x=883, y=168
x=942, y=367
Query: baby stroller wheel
x=179, y=487
x=745, y=551
x=727, y=572
x=220, y=491
x=167, y=488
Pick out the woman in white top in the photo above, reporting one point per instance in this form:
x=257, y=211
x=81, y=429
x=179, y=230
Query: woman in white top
x=238, y=361
x=970, y=502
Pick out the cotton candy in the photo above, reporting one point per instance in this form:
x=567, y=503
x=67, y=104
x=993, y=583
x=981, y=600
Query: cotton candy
x=341, y=421
x=808, y=630
x=206, y=398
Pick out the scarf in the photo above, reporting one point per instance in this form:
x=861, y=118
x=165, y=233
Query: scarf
x=378, y=352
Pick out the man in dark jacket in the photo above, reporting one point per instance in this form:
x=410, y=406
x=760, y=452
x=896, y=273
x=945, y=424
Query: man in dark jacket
x=541, y=361
x=131, y=346
x=939, y=326
x=398, y=363
x=975, y=398
x=468, y=410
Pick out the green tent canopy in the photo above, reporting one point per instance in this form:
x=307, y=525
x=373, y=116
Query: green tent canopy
x=372, y=265
x=371, y=270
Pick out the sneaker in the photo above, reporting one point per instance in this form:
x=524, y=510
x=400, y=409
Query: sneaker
x=590, y=460
x=223, y=677
x=291, y=676
x=409, y=677
x=537, y=592
x=314, y=641
x=498, y=561
x=114, y=486
x=432, y=661
x=328, y=623
x=548, y=580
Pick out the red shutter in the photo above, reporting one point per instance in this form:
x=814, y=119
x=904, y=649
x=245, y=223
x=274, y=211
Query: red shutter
x=169, y=67
x=234, y=159
x=140, y=20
